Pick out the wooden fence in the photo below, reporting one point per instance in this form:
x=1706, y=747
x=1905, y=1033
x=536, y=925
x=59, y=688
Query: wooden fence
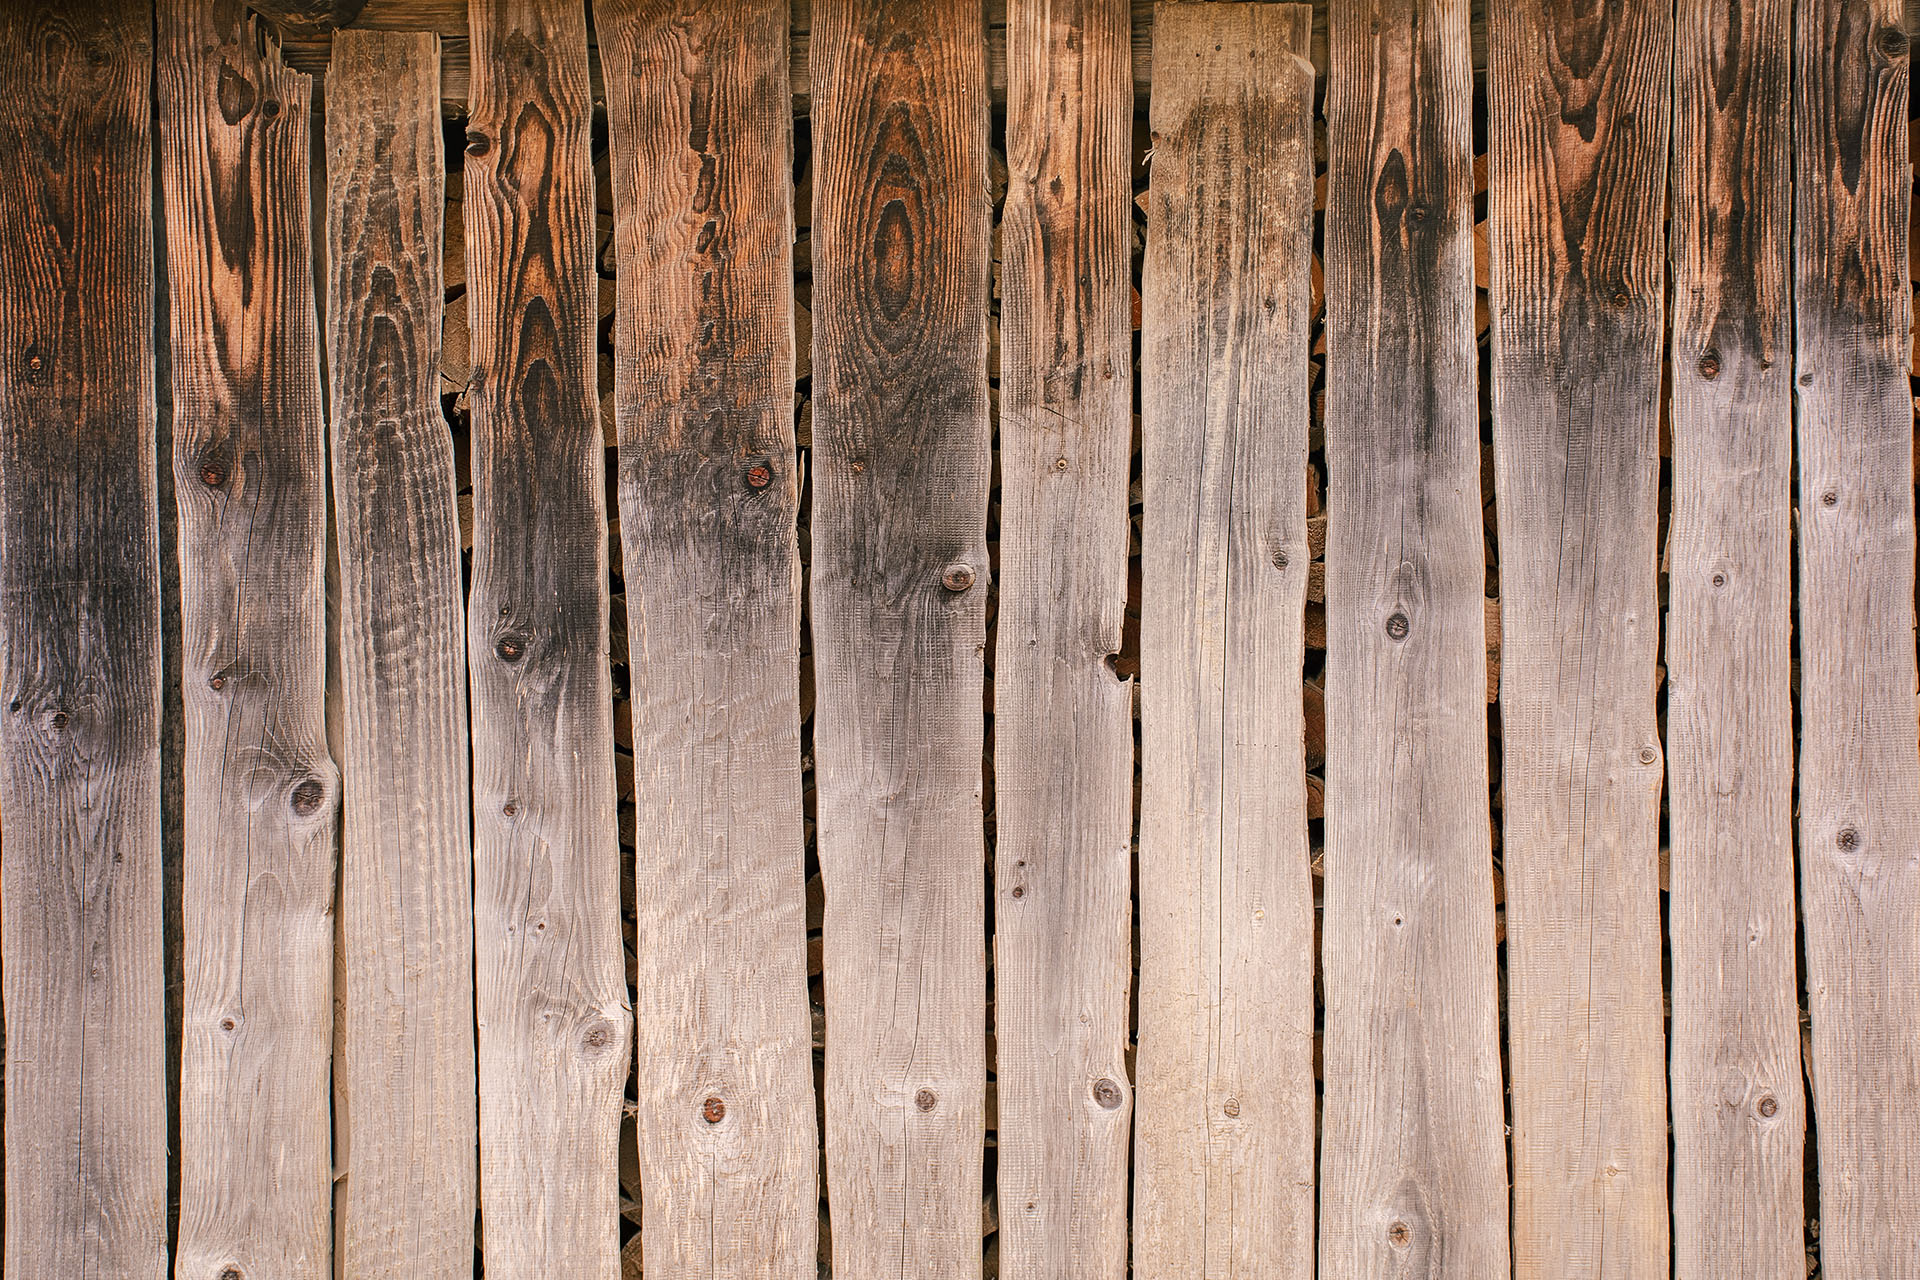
x=384, y=840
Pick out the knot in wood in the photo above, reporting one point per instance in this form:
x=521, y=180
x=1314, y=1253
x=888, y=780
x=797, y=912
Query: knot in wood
x=510, y=648
x=1648, y=755
x=925, y=1100
x=1399, y=1236
x=1232, y=1108
x=759, y=474
x=34, y=362
x=1106, y=1093
x=1893, y=42
x=957, y=577
x=1848, y=840
x=212, y=475
x=1830, y=498
x=230, y=1273
x=1398, y=626
x=1710, y=364
x=477, y=144
x=1767, y=1106
x=713, y=1110
x=509, y=809
x=307, y=795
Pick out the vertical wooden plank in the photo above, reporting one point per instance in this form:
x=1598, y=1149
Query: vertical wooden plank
x=1859, y=758
x=256, y=1182
x=1413, y=1166
x=551, y=991
x=86, y=1162
x=700, y=117
x=901, y=451
x=1578, y=146
x=410, y=1191
x=1223, y=1181
x=1063, y=724
x=1738, y=1110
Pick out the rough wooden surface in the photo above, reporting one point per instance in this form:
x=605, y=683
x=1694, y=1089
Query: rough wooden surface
x=1413, y=1171
x=86, y=1161
x=261, y=790
x=1063, y=722
x=1859, y=758
x=1578, y=189
x=555, y=1030
x=1739, y=1117
x=700, y=121
x=901, y=450
x=407, y=1077
x=1223, y=1169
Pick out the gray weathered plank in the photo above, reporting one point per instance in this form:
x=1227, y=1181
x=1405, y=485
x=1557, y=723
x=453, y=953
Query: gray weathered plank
x=1224, y=1153
x=407, y=1200
x=700, y=120
x=261, y=790
x=1063, y=728
x=1413, y=1166
x=1578, y=148
x=1859, y=753
x=902, y=457
x=555, y=1030
x=85, y=1132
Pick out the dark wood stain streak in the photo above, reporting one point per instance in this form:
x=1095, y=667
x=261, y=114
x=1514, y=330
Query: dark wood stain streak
x=551, y=996
x=902, y=457
x=86, y=1164
x=1859, y=800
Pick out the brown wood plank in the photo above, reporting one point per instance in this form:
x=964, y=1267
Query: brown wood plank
x=551, y=994
x=700, y=120
x=1063, y=723
x=261, y=790
x=86, y=1109
x=1579, y=109
x=1223, y=1174
x=1413, y=1166
x=407, y=1202
x=1738, y=1106
x=902, y=458
x=1859, y=753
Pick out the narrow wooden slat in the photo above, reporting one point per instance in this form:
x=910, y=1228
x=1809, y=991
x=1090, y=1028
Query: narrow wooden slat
x=1063, y=754
x=1413, y=1166
x=256, y=1181
x=700, y=122
x=1859, y=757
x=1223, y=1174
x=1578, y=147
x=902, y=458
x=1738, y=1106
x=406, y=1204
x=86, y=1161
x=550, y=982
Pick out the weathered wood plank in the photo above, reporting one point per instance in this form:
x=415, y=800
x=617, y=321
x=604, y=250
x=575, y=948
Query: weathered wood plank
x=86, y=1161
x=1579, y=109
x=902, y=458
x=700, y=119
x=1738, y=1111
x=551, y=992
x=1859, y=758
x=261, y=790
x=406, y=1204
x=1413, y=1166
x=1224, y=1154
x=1063, y=724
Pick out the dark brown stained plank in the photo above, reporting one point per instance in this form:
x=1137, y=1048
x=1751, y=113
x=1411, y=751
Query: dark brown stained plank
x=1738, y=1106
x=1578, y=189
x=1413, y=1161
x=1063, y=723
x=407, y=1201
x=86, y=1161
x=551, y=993
x=700, y=122
x=1223, y=1171
x=902, y=458
x=261, y=788
x=1859, y=758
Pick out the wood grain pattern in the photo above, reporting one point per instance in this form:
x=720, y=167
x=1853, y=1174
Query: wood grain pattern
x=1739, y=1115
x=1063, y=724
x=1413, y=1169
x=1859, y=753
x=261, y=790
x=1223, y=1175
x=1579, y=109
x=407, y=1202
x=700, y=121
x=902, y=457
x=550, y=985
x=86, y=1107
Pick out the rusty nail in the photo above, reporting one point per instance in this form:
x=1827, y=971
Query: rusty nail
x=713, y=1111
x=1106, y=1093
x=958, y=577
x=924, y=1099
